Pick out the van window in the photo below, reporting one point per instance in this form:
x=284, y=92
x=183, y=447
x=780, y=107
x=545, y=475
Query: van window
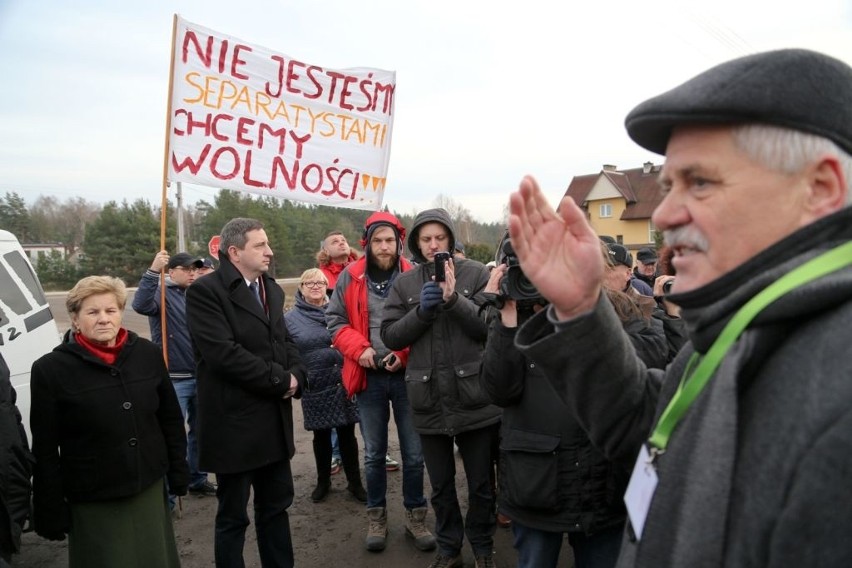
x=14, y=299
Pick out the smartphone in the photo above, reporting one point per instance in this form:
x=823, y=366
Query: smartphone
x=441, y=259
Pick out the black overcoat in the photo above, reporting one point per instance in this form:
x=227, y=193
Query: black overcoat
x=15, y=468
x=244, y=359
x=102, y=431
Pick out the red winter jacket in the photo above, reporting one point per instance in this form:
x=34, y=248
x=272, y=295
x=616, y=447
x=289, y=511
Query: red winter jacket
x=333, y=269
x=349, y=323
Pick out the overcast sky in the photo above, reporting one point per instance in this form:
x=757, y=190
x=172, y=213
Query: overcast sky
x=486, y=92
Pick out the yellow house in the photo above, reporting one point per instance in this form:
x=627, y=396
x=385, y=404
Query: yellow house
x=619, y=203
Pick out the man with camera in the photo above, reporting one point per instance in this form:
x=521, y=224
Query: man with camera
x=553, y=480
x=667, y=311
x=434, y=310
x=743, y=446
x=373, y=372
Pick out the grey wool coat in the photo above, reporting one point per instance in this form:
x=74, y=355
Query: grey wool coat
x=757, y=473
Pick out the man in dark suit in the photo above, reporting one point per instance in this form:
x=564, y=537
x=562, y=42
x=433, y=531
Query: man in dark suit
x=248, y=372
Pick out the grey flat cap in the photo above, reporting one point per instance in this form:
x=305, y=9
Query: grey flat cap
x=795, y=88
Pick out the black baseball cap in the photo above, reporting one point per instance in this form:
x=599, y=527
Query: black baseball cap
x=185, y=260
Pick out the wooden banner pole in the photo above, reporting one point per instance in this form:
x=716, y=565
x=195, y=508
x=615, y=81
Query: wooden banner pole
x=165, y=200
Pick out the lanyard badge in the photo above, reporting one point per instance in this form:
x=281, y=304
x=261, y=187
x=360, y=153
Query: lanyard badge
x=700, y=369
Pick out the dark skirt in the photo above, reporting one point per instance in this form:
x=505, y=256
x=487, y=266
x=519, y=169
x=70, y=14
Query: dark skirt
x=130, y=532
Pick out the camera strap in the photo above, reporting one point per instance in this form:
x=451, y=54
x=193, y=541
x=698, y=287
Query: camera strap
x=700, y=368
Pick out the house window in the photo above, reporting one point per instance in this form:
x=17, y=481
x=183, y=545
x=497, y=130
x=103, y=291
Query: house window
x=606, y=210
x=652, y=230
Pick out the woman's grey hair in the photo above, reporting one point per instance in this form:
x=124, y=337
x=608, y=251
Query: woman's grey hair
x=93, y=285
x=789, y=151
x=234, y=233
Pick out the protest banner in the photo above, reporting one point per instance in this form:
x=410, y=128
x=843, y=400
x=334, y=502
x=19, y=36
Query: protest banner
x=245, y=118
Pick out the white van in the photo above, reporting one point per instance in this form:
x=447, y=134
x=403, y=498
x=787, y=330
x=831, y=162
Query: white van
x=27, y=329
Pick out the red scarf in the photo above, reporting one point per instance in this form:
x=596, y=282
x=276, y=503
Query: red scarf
x=103, y=352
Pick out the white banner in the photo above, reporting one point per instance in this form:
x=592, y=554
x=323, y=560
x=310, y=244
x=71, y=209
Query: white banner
x=250, y=119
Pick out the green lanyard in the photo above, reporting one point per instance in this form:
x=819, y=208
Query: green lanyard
x=691, y=386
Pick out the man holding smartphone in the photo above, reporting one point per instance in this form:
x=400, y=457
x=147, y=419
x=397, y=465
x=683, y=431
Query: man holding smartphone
x=374, y=374
x=434, y=309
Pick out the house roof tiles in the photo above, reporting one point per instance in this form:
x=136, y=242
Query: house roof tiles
x=638, y=186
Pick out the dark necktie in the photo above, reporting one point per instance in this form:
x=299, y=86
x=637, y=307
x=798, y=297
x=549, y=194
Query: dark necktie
x=256, y=291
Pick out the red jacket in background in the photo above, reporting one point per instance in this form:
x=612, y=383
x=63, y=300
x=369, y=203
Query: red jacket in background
x=349, y=322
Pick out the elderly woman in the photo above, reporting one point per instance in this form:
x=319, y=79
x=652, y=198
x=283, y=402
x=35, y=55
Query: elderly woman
x=107, y=429
x=324, y=401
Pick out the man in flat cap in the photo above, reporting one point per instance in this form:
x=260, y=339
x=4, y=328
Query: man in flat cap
x=742, y=450
x=646, y=266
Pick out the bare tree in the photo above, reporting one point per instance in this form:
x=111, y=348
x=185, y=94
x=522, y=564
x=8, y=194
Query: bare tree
x=460, y=215
x=63, y=222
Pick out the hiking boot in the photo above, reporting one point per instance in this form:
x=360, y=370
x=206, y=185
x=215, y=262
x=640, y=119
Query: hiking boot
x=391, y=464
x=485, y=561
x=442, y=561
x=357, y=490
x=415, y=527
x=377, y=533
x=320, y=492
x=205, y=489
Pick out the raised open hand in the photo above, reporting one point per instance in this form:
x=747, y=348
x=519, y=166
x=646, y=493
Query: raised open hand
x=558, y=252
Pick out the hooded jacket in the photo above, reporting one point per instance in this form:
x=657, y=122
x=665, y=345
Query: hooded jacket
x=348, y=315
x=756, y=474
x=442, y=377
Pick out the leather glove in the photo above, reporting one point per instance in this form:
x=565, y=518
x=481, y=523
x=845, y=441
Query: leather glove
x=431, y=296
x=178, y=483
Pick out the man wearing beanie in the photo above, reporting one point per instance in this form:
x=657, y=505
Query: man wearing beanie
x=440, y=322
x=743, y=447
x=374, y=374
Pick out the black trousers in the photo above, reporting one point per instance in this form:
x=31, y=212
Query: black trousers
x=480, y=522
x=348, y=454
x=273, y=494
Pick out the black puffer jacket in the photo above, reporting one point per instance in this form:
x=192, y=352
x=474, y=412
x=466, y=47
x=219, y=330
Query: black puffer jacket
x=552, y=478
x=306, y=324
x=15, y=469
x=442, y=376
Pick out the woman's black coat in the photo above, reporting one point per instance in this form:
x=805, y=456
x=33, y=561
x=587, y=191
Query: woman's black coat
x=102, y=431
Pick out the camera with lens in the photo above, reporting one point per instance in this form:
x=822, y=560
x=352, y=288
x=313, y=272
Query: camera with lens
x=515, y=284
x=667, y=286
